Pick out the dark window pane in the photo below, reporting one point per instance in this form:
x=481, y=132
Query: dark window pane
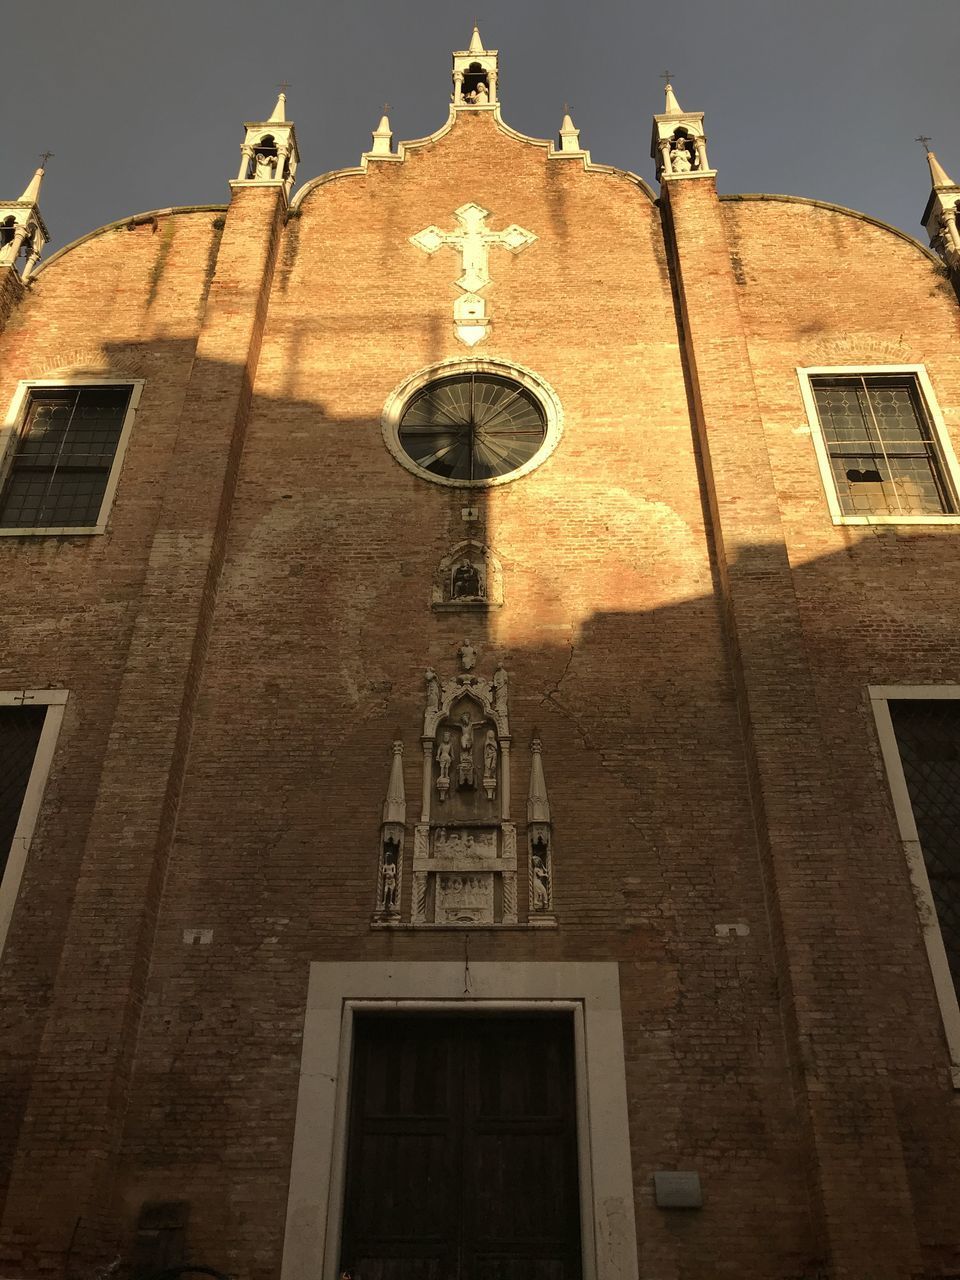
x=59, y=472
x=472, y=427
x=928, y=738
x=882, y=447
x=19, y=734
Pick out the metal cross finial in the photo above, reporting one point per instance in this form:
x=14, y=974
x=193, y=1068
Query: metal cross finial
x=44, y=157
x=666, y=76
x=283, y=86
x=925, y=140
x=566, y=108
x=386, y=107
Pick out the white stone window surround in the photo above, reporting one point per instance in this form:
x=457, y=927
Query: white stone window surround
x=880, y=697
x=951, y=467
x=55, y=701
x=401, y=396
x=13, y=425
x=588, y=992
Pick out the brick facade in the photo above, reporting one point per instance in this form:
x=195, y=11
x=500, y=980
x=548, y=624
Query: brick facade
x=686, y=630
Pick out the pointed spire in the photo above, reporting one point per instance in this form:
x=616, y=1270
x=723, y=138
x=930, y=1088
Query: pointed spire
x=938, y=175
x=279, y=114
x=476, y=44
x=32, y=193
x=569, y=133
x=382, y=136
x=673, y=107
x=538, y=806
x=395, y=805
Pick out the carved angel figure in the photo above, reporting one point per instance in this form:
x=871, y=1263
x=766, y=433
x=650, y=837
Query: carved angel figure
x=389, y=886
x=500, y=687
x=433, y=689
x=468, y=655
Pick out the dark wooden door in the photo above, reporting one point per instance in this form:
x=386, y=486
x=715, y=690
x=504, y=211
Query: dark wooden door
x=462, y=1161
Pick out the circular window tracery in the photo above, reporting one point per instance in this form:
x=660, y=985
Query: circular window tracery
x=472, y=423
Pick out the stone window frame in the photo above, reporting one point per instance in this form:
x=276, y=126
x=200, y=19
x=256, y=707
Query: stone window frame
x=947, y=998
x=401, y=396
x=951, y=466
x=13, y=425
x=55, y=701
x=589, y=992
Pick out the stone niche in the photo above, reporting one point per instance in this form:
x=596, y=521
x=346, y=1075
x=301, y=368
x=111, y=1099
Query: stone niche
x=468, y=579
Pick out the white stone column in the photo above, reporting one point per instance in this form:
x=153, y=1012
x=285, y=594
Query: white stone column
x=492, y=82
x=665, y=166
x=457, y=87
x=32, y=261
x=505, y=779
x=246, y=155
x=427, y=778
x=701, y=145
x=950, y=225
x=11, y=252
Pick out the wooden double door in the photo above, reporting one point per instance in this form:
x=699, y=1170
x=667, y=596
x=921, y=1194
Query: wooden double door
x=462, y=1158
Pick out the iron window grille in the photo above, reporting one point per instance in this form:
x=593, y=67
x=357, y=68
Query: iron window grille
x=63, y=457
x=882, y=446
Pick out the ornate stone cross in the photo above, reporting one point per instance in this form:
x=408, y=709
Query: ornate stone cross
x=472, y=240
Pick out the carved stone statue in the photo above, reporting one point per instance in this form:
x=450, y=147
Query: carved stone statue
x=389, y=886
x=541, y=883
x=266, y=166
x=490, y=764
x=465, y=764
x=466, y=582
x=500, y=688
x=680, y=161
x=433, y=689
x=481, y=94
x=444, y=760
x=468, y=656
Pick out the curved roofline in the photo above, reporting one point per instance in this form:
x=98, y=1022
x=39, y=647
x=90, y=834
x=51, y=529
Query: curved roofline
x=841, y=208
x=136, y=219
x=553, y=153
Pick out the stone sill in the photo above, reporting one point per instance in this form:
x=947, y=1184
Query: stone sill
x=551, y=923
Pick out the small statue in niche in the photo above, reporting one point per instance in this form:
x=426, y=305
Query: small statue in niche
x=490, y=764
x=500, y=688
x=444, y=760
x=467, y=584
x=389, y=898
x=481, y=94
x=465, y=764
x=265, y=166
x=433, y=689
x=680, y=161
x=541, y=881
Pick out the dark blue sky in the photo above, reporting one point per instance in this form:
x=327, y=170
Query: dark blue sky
x=143, y=103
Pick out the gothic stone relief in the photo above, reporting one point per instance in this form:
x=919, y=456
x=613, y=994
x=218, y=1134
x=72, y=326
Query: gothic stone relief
x=465, y=851
x=465, y=845
x=468, y=579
